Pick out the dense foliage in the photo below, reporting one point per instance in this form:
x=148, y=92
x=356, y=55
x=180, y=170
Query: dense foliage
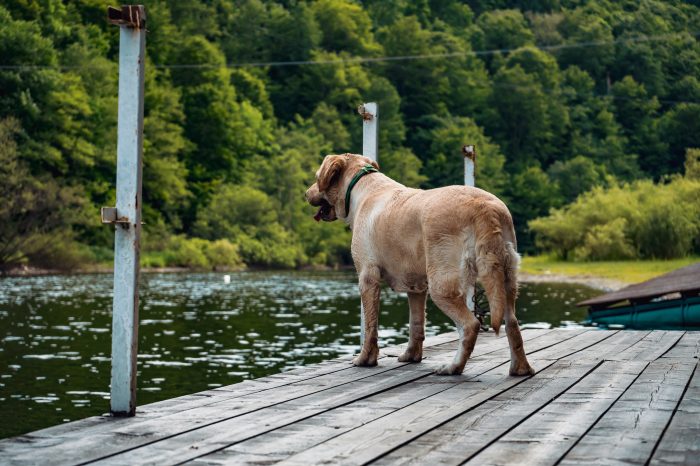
x=561, y=97
x=641, y=219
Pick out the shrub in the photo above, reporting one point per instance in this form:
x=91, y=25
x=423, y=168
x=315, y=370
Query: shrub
x=606, y=242
x=248, y=217
x=576, y=176
x=57, y=250
x=669, y=225
x=222, y=254
x=187, y=252
x=197, y=253
x=154, y=259
x=234, y=209
x=638, y=220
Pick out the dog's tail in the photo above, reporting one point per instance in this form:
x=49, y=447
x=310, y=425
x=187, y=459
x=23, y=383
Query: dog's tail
x=497, y=265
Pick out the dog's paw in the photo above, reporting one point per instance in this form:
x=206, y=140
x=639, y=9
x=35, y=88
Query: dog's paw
x=449, y=369
x=521, y=369
x=365, y=360
x=411, y=356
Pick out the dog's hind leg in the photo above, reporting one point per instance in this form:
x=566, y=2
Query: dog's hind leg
x=445, y=291
x=498, y=273
x=416, y=304
x=518, y=359
x=369, y=292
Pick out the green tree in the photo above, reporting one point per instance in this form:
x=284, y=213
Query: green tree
x=576, y=176
x=36, y=214
x=522, y=122
x=346, y=27
x=223, y=129
x=536, y=194
x=588, y=27
x=692, y=164
x=403, y=166
x=166, y=149
x=53, y=108
x=637, y=113
x=594, y=132
x=681, y=129
x=503, y=29
x=446, y=164
x=247, y=217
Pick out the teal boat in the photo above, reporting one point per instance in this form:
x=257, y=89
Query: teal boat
x=671, y=301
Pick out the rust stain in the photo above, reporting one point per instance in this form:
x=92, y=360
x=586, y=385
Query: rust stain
x=366, y=116
x=469, y=151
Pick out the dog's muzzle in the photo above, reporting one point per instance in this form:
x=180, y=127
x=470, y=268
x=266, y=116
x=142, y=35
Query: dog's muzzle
x=326, y=212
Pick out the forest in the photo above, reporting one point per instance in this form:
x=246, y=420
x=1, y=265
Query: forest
x=585, y=115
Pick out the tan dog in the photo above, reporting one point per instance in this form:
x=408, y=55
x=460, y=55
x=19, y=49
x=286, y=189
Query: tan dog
x=437, y=241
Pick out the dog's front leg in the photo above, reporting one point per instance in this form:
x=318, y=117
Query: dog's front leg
x=369, y=293
x=416, y=305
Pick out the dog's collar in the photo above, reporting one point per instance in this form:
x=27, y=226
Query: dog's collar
x=366, y=170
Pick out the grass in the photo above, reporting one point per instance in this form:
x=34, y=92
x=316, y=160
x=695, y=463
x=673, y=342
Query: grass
x=624, y=271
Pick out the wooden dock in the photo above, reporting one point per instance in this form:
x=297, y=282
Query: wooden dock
x=599, y=397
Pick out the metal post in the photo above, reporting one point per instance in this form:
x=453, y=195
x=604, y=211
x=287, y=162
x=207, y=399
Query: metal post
x=127, y=214
x=370, y=142
x=469, y=153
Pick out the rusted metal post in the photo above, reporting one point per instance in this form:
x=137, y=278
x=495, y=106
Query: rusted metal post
x=469, y=152
x=370, y=144
x=127, y=214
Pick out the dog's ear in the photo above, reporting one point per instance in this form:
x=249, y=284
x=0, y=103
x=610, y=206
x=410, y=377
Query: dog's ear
x=375, y=164
x=331, y=168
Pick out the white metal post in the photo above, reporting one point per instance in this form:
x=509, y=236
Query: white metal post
x=370, y=142
x=469, y=153
x=127, y=215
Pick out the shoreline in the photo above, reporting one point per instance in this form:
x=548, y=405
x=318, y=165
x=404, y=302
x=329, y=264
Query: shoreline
x=596, y=282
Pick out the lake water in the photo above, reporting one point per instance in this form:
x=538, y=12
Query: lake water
x=196, y=332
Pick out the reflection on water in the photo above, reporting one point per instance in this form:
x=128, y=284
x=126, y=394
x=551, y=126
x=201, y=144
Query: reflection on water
x=196, y=332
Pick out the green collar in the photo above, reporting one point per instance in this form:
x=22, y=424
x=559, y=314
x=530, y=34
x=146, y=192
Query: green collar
x=366, y=170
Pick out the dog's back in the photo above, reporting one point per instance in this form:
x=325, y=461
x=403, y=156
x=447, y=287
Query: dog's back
x=436, y=242
x=451, y=236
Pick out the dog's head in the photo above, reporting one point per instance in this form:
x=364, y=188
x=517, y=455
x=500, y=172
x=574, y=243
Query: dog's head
x=328, y=192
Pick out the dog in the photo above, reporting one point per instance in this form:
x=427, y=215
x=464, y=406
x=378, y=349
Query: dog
x=435, y=242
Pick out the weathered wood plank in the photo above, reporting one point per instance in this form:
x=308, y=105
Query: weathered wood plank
x=649, y=348
x=198, y=425
x=286, y=441
x=214, y=437
x=116, y=435
x=239, y=389
x=688, y=347
x=578, y=343
x=61, y=447
x=218, y=435
x=211, y=437
x=529, y=333
x=281, y=443
x=191, y=401
x=377, y=438
x=372, y=440
x=680, y=444
x=397, y=413
x=453, y=442
x=546, y=436
x=542, y=342
x=627, y=433
x=280, y=380
x=616, y=344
